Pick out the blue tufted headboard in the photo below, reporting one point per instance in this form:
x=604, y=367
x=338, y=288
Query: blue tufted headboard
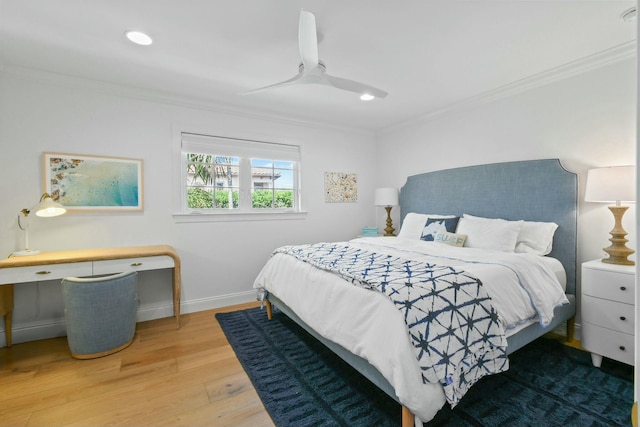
x=533, y=190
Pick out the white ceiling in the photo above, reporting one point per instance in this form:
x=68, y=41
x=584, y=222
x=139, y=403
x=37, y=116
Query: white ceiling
x=428, y=54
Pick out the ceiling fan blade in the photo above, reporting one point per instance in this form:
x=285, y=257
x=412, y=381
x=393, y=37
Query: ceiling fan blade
x=353, y=86
x=308, y=40
x=312, y=70
x=292, y=80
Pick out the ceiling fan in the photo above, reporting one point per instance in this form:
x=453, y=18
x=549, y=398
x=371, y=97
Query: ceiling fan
x=313, y=71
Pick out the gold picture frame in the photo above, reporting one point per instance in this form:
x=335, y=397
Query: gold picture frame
x=94, y=183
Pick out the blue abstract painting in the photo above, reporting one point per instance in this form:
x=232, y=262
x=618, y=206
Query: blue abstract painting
x=94, y=183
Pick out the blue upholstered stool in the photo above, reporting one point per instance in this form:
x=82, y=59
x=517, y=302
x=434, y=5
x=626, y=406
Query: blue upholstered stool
x=100, y=313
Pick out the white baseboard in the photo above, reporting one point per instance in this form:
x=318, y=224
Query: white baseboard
x=33, y=332
x=56, y=328
x=166, y=310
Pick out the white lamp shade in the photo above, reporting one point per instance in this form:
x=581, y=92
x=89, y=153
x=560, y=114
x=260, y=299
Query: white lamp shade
x=48, y=208
x=386, y=197
x=611, y=184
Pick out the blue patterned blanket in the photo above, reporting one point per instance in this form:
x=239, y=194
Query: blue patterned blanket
x=454, y=330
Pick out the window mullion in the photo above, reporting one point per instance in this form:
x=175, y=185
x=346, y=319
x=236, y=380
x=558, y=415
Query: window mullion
x=296, y=186
x=245, y=184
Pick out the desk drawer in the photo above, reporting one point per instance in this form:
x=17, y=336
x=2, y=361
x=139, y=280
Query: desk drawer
x=132, y=264
x=39, y=273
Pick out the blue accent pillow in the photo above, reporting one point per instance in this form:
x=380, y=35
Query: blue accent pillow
x=435, y=225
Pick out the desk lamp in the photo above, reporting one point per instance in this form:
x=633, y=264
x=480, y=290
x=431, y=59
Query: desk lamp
x=387, y=197
x=615, y=184
x=45, y=208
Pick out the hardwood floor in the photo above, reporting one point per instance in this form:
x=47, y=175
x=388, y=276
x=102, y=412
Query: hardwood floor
x=167, y=377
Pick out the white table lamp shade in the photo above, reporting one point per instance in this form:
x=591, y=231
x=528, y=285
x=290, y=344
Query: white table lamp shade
x=611, y=184
x=48, y=208
x=386, y=197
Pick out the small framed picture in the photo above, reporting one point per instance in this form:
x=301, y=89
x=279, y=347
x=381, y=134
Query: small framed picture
x=93, y=183
x=340, y=187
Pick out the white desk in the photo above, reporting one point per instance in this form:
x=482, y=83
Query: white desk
x=84, y=262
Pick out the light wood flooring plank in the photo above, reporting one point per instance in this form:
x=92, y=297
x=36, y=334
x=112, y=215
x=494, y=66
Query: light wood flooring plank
x=167, y=377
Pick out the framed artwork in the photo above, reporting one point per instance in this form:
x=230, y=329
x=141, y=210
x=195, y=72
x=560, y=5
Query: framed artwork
x=340, y=187
x=93, y=183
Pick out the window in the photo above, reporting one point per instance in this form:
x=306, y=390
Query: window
x=212, y=181
x=226, y=175
x=272, y=183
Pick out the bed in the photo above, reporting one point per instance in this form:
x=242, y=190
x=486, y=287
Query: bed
x=373, y=337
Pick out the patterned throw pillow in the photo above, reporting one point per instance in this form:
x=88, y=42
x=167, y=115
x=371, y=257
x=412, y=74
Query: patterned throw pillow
x=450, y=238
x=435, y=225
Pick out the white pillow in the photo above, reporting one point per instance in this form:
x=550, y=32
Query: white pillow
x=534, y=237
x=489, y=233
x=413, y=224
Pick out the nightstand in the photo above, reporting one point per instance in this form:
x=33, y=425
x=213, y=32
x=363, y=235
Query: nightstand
x=608, y=312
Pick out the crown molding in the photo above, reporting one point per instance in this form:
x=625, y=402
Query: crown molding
x=170, y=98
x=598, y=60
x=601, y=59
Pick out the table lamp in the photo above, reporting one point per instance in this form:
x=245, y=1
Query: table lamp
x=615, y=184
x=45, y=208
x=387, y=197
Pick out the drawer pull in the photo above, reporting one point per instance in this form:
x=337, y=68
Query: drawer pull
x=43, y=272
x=623, y=318
x=623, y=288
x=622, y=348
x=136, y=264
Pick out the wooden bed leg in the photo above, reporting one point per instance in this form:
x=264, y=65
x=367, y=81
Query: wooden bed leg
x=408, y=419
x=269, y=312
x=570, y=327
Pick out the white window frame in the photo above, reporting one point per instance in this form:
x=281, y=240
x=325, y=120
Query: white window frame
x=245, y=149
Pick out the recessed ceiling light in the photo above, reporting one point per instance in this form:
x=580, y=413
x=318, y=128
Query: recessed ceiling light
x=629, y=15
x=366, y=97
x=138, y=37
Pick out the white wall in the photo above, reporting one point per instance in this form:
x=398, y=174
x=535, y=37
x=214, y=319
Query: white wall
x=40, y=112
x=586, y=121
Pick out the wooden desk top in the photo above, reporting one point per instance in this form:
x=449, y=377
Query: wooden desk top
x=80, y=255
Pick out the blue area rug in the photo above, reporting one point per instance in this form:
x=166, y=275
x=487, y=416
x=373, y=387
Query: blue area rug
x=302, y=383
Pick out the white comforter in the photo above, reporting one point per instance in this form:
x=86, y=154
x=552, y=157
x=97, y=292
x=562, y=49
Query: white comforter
x=523, y=289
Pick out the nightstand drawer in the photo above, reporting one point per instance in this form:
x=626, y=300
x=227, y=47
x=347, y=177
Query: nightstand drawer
x=608, y=284
x=608, y=343
x=609, y=314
